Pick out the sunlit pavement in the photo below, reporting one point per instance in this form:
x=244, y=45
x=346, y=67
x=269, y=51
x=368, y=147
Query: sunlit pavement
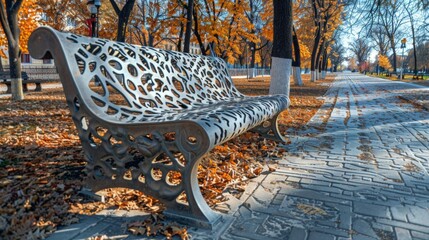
x=364, y=177
x=362, y=173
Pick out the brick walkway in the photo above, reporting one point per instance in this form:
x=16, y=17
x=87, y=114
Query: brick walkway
x=361, y=174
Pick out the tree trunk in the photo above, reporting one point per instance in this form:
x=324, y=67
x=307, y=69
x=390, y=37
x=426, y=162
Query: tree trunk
x=282, y=48
x=324, y=63
x=252, y=54
x=150, y=40
x=314, y=60
x=415, y=53
x=15, y=72
x=179, y=41
x=296, y=62
x=189, y=14
x=317, y=24
x=203, y=46
x=392, y=45
x=123, y=16
x=251, y=73
x=319, y=59
x=12, y=32
x=414, y=39
x=120, y=34
x=414, y=46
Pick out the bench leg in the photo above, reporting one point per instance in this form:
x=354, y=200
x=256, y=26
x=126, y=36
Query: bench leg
x=9, y=88
x=161, y=164
x=38, y=87
x=196, y=212
x=270, y=130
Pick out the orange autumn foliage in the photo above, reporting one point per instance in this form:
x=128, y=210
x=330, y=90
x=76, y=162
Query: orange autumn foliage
x=384, y=62
x=227, y=30
x=28, y=15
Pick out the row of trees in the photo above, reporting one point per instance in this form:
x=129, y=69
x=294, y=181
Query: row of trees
x=239, y=31
x=384, y=63
x=381, y=25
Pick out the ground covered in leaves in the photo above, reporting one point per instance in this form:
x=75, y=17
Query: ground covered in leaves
x=419, y=98
x=42, y=163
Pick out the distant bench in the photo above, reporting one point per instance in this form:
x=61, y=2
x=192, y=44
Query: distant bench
x=31, y=75
x=418, y=76
x=6, y=79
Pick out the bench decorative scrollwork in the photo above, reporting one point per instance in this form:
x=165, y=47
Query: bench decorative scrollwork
x=146, y=116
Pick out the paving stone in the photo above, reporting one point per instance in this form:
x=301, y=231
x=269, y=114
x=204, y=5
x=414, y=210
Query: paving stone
x=322, y=188
x=72, y=231
x=377, y=226
x=293, y=179
x=249, y=236
x=95, y=230
x=402, y=234
x=320, y=236
x=419, y=215
x=261, y=198
x=278, y=199
x=298, y=233
x=363, y=227
x=419, y=235
x=311, y=194
x=399, y=213
x=404, y=225
x=275, y=227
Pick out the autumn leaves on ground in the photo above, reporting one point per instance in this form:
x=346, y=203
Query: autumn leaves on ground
x=41, y=163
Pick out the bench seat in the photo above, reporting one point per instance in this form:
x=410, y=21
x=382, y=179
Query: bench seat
x=234, y=116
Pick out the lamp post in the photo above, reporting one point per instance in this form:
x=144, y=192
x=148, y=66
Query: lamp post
x=403, y=42
x=93, y=6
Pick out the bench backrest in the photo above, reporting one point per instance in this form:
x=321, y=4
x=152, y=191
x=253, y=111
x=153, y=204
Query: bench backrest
x=44, y=73
x=5, y=75
x=130, y=81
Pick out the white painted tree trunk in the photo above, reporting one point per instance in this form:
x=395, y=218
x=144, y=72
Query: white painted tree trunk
x=252, y=73
x=313, y=75
x=323, y=74
x=280, y=76
x=297, y=76
x=16, y=89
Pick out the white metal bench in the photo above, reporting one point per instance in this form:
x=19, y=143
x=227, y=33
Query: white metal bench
x=146, y=116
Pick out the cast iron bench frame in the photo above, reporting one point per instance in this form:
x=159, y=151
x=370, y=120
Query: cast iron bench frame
x=172, y=109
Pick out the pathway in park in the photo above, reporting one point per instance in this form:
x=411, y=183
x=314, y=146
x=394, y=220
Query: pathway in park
x=362, y=173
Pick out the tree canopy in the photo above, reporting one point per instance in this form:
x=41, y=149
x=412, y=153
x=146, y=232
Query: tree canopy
x=239, y=31
x=383, y=24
